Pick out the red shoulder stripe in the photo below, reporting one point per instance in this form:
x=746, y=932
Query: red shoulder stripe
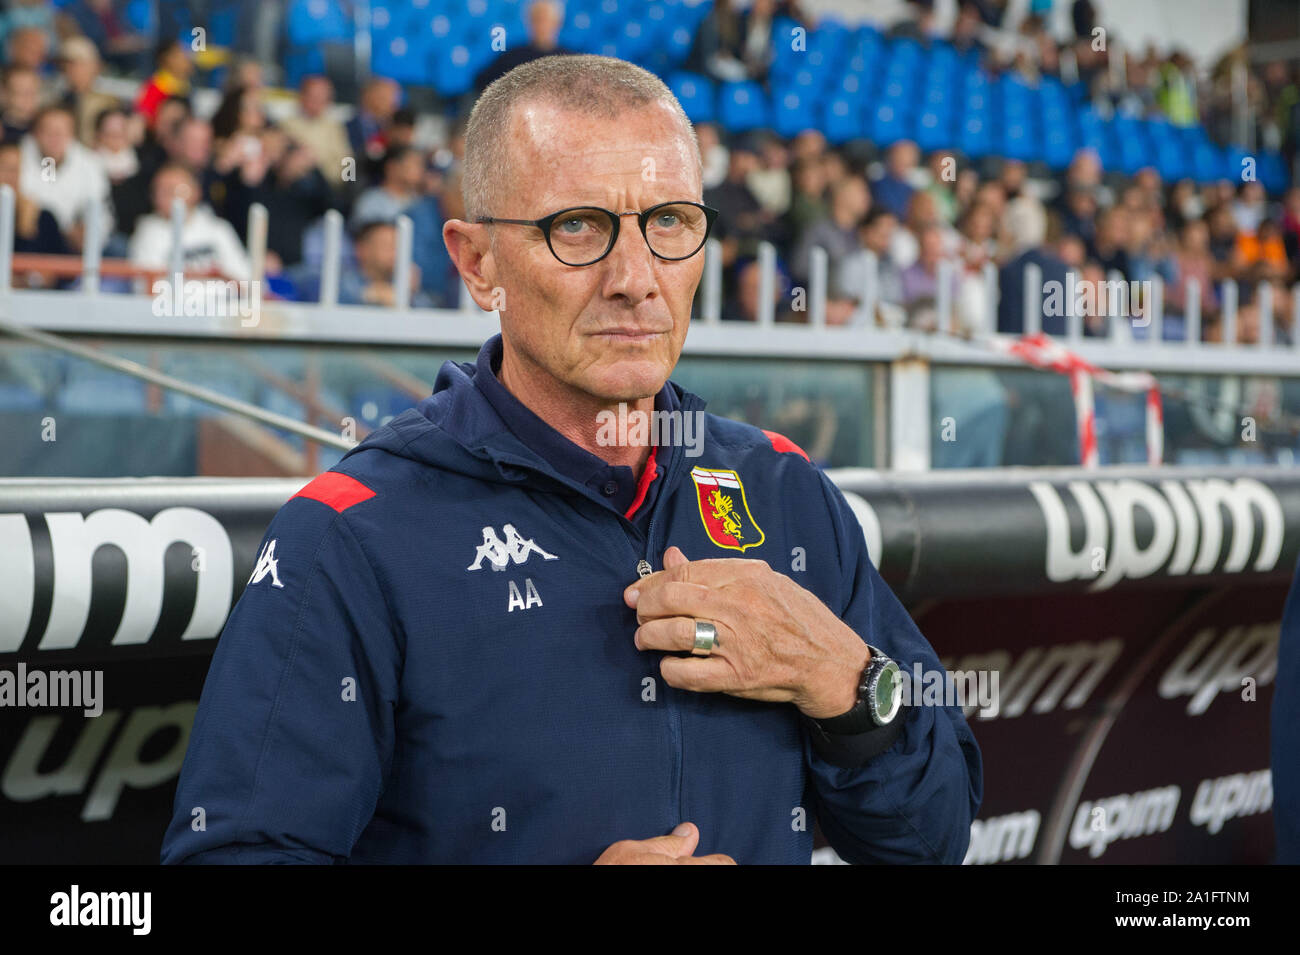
x=781, y=443
x=337, y=490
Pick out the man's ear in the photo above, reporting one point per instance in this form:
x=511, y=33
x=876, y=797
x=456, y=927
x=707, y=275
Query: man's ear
x=469, y=248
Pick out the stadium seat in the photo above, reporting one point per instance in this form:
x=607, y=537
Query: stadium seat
x=696, y=94
x=317, y=21
x=743, y=106
x=842, y=120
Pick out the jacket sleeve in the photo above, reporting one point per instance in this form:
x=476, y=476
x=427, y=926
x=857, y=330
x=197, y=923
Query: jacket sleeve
x=913, y=802
x=1285, y=742
x=293, y=738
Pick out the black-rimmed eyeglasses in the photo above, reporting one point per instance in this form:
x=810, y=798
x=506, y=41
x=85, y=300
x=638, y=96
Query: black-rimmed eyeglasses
x=583, y=235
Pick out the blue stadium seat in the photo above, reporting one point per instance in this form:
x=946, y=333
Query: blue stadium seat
x=975, y=137
x=743, y=106
x=934, y=129
x=1272, y=172
x=317, y=21
x=579, y=32
x=405, y=59
x=696, y=94
x=453, y=69
x=792, y=112
x=891, y=121
x=842, y=120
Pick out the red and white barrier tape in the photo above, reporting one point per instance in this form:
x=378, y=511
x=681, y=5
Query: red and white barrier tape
x=1042, y=351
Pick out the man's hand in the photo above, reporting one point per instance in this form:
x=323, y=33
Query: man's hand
x=674, y=849
x=776, y=641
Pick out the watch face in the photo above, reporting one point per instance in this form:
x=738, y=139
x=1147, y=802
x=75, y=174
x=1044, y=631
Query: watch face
x=888, y=694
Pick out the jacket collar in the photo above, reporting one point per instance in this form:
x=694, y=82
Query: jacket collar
x=472, y=407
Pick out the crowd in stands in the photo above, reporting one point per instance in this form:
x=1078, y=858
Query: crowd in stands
x=886, y=214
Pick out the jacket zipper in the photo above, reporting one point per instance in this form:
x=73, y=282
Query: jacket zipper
x=644, y=569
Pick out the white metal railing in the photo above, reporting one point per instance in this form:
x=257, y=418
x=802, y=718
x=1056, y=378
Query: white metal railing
x=862, y=339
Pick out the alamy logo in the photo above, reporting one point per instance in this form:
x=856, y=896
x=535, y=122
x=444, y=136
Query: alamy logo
x=500, y=553
x=266, y=564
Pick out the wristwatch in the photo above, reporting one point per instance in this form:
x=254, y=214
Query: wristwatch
x=880, y=697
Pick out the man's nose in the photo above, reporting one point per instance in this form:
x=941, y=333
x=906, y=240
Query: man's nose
x=631, y=264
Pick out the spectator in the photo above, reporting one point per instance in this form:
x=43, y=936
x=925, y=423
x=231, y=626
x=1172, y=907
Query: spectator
x=22, y=101
x=876, y=235
x=770, y=180
x=239, y=115
x=439, y=279
x=894, y=189
x=29, y=47
x=79, y=62
x=284, y=178
x=63, y=175
x=1261, y=255
x=1025, y=230
x=401, y=128
x=742, y=220
x=717, y=48
x=372, y=281
x=920, y=282
x=1250, y=207
x=714, y=154
x=379, y=99
x=171, y=78
x=315, y=126
x=837, y=233
x=545, y=19
x=112, y=144
x=403, y=174
x=28, y=14
x=208, y=243
x=36, y=230
x=743, y=305
x=103, y=22
x=1193, y=261
x=808, y=195
x=187, y=143
x=942, y=173
x=1110, y=246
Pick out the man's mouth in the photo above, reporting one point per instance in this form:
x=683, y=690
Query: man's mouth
x=631, y=335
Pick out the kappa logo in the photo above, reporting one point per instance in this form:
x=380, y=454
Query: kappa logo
x=724, y=510
x=266, y=564
x=500, y=553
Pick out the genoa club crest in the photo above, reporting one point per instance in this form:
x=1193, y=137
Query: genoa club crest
x=724, y=510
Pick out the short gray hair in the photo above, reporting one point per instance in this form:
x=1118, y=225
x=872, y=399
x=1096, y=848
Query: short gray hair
x=584, y=83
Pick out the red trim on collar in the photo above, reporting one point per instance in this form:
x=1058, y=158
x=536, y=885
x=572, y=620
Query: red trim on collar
x=643, y=484
x=337, y=490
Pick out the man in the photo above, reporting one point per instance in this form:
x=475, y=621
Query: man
x=894, y=189
x=403, y=175
x=79, y=61
x=315, y=126
x=22, y=101
x=463, y=644
x=186, y=142
x=837, y=233
x=371, y=282
x=64, y=176
x=545, y=19
x=375, y=107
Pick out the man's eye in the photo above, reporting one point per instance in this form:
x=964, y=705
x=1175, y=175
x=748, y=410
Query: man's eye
x=667, y=220
x=572, y=226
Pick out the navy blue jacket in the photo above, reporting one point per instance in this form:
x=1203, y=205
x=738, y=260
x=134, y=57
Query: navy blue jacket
x=380, y=693
x=1285, y=738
